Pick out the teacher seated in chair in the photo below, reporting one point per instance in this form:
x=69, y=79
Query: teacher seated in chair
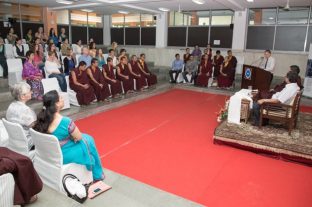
x=285, y=96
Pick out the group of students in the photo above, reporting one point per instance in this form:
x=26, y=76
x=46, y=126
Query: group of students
x=201, y=67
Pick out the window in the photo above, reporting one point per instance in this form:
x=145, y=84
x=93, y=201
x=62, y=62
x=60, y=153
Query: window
x=132, y=20
x=78, y=18
x=28, y=13
x=147, y=20
x=95, y=20
x=62, y=17
x=179, y=19
x=118, y=20
x=200, y=18
x=222, y=17
x=262, y=16
x=296, y=15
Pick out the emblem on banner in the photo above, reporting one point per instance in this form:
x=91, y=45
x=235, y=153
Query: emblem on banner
x=248, y=73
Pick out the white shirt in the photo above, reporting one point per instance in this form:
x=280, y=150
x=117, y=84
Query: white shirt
x=287, y=94
x=51, y=67
x=115, y=61
x=77, y=49
x=268, y=64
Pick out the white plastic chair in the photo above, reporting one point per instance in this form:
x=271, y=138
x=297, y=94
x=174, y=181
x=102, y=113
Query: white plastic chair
x=6, y=190
x=4, y=137
x=50, y=84
x=49, y=162
x=77, y=59
x=26, y=48
x=15, y=69
x=9, y=51
x=17, y=139
x=72, y=94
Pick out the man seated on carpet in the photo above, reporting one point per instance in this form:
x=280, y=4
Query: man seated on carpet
x=285, y=96
x=177, y=66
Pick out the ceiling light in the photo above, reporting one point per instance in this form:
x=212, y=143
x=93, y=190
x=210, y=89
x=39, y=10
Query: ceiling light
x=123, y=12
x=199, y=1
x=87, y=10
x=271, y=17
x=64, y=2
x=250, y=0
x=164, y=9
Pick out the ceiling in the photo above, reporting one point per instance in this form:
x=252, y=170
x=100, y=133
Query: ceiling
x=151, y=6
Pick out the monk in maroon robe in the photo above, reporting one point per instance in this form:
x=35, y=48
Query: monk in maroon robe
x=217, y=62
x=27, y=182
x=186, y=56
x=205, y=72
x=123, y=74
x=100, y=87
x=79, y=82
x=151, y=78
x=135, y=73
x=110, y=78
x=227, y=71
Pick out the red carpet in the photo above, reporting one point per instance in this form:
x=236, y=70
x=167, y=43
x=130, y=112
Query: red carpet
x=166, y=141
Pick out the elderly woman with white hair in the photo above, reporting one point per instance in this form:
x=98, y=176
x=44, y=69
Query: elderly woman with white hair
x=19, y=112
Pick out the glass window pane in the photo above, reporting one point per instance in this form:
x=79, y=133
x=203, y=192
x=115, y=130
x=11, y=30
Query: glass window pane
x=95, y=20
x=78, y=18
x=147, y=20
x=171, y=18
x=262, y=16
x=117, y=20
x=132, y=20
x=222, y=17
x=178, y=20
x=62, y=17
x=29, y=13
x=295, y=15
x=199, y=18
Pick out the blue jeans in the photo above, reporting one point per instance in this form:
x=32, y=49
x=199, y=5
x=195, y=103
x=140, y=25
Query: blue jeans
x=61, y=80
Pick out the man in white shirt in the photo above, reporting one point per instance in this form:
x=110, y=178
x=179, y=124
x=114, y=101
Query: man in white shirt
x=268, y=62
x=285, y=96
x=111, y=54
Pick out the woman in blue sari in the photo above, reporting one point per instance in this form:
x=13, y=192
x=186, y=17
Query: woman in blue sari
x=76, y=147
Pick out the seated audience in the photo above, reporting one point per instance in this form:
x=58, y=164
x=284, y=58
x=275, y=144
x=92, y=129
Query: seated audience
x=37, y=41
x=38, y=59
x=100, y=87
x=18, y=50
x=176, y=68
x=110, y=78
x=114, y=47
x=186, y=56
x=27, y=182
x=76, y=147
x=205, y=72
x=227, y=71
x=111, y=54
x=53, y=37
x=100, y=58
x=85, y=56
x=203, y=55
x=80, y=83
x=92, y=46
x=41, y=35
x=29, y=37
x=285, y=96
x=217, y=62
x=123, y=74
x=92, y=53
x=11, y=36
x=3, y=61
x=196, y=53
x=122, y=54
x=151, y=78
x=53, y=70
x=190, y=68
x=33, y=76
x=65, y=45
x=69, y=61
x=18, y=112
x=52, y=48
x=140, y=81
x=62, y=36
x=78, y=48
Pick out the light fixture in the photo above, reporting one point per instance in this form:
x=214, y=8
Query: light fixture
x=87, y=10
x=198, y=1
x=123, y=12
x=164, y=9
x=250, y=0
x=271, y=17
x=64, y=2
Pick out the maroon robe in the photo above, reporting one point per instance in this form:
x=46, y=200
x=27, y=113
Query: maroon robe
x=27, y=181
x=84, y=96
x=140, y=82
x=127, y=84
x=115, y=86
x=100, y=93
x=217, y=62
x=228, y=69
x=186, y=57
x=151, y=79
x=205, y=70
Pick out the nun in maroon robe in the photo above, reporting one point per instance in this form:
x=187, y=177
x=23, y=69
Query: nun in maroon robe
x=140, y=80
x=27, y=182
x=217, y=62
x=227, y=71
x=151, y=78
x=205, y=72
x=79, y=82
x=100, y=87
x=110, y=78
x=123, y=74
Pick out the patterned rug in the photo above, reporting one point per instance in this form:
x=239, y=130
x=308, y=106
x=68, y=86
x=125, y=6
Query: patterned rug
x=272, y=139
